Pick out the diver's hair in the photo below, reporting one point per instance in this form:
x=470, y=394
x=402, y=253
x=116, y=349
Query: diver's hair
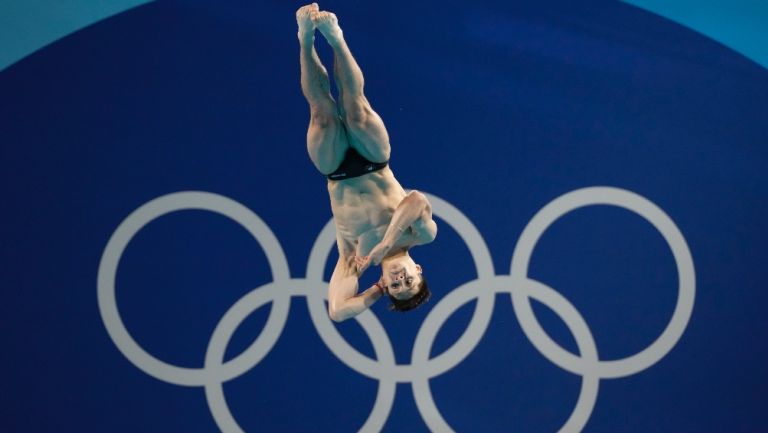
x=409, y=304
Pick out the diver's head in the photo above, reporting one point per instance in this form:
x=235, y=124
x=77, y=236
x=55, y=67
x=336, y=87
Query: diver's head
x=404, y=283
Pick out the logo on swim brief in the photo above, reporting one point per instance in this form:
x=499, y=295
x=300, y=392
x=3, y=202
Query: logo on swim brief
x=215, y=371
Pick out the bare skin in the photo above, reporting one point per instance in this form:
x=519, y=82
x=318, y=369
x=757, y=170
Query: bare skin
x=377, y=222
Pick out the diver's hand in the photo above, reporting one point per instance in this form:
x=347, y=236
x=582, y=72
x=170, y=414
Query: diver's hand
x=362, y=263
x=373, y=258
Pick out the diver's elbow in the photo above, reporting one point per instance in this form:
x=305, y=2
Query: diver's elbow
x=337, y=315
x=418, y=197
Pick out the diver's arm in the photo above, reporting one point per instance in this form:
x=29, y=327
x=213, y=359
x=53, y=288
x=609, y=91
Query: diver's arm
x=355, y=305
x=414, y=216
x=415, y=213
x=424, y=227
x=343, y=300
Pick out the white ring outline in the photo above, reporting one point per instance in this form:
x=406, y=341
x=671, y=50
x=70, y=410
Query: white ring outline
x=422, y=368
x=672, y=235
x=503, y=284
x=108, y=271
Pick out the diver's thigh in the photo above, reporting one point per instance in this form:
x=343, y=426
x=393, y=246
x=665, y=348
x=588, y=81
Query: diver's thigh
x=327, y=142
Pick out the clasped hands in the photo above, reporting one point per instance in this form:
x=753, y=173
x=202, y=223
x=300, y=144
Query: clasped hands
x=375, y=256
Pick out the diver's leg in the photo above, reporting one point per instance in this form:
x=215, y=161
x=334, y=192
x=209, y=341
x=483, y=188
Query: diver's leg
x=365, y=129
x=326, y=138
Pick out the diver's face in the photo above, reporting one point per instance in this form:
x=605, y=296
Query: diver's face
x=402, y=277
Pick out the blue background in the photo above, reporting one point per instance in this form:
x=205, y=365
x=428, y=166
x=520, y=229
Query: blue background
x=496, y=107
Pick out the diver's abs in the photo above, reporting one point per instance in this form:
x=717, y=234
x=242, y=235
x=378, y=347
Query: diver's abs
x=363, y=207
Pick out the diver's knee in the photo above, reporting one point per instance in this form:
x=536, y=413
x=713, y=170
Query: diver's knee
x=322, y=118
x=357, y=111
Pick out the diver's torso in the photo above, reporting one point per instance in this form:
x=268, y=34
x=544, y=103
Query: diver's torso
x=362, y=209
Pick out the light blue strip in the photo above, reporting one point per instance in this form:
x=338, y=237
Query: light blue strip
x=29, y=25
x=741, y=25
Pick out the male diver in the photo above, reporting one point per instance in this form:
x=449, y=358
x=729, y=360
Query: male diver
x=377, y=222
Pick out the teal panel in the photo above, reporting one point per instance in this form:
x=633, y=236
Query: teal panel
x=28, y=25
x=741, y=25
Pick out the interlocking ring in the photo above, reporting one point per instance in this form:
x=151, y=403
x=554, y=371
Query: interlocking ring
x=384, y=368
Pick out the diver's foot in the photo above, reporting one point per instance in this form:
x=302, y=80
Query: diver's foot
x=304, y=20
x=328, y=25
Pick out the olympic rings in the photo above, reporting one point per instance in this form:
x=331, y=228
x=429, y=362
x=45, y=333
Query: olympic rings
x=384, y=368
